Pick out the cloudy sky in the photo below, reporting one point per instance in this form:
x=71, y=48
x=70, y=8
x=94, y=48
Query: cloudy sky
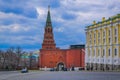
x=22, y=22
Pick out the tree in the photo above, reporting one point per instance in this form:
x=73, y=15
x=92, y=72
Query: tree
x=3, y=58
x=19, y=53
x=30, y=60
x=10, y=58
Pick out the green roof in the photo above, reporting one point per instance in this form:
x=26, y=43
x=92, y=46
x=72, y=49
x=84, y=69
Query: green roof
x=48, y=21
x=111, y=18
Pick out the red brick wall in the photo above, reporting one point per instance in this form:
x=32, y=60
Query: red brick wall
x=75, y=58
x=50, y=58
x=70, y=57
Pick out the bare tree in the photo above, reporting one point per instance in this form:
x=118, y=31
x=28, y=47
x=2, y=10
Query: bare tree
x=30, y=60
x=33, y=62
x=11, y=58
x=19, y=54
x=3, y=59
x=10, y=62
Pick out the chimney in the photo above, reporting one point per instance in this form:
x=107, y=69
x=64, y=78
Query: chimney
x=94, y=22
x=103, y=19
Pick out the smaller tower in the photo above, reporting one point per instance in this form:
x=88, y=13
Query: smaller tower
x=48, y=41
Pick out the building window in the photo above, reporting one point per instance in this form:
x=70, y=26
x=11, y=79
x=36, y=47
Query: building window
x=103, y=37
x=94, y=38
x=98, y=35
x=90, y=38
x=94, y=53
x=98, y=52
x=103, y=40
x=94, y=41
x=90, y=52
x=98, y=40
x=109, y=32
x=115, y=52
x=109, y=39
x=103, y=53
x=104, y=34
x=115, y=39
x=115, y=31
x=109, y=52
x=94, y=35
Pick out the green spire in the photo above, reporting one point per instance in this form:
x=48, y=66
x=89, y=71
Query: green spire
x=48, y=21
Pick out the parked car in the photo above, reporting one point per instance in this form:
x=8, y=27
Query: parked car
x=24, y=70
x=65, y=69
x=52, y=69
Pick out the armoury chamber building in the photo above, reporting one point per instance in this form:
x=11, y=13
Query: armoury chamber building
x=103, y=44
x=53, y=57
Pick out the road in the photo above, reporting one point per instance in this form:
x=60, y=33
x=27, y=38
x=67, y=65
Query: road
x=46, y=75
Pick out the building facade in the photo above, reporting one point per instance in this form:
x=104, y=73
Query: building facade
x=103, y=44
x=53, y=57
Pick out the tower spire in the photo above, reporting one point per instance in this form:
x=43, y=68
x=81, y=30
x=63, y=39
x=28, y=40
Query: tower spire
x=48, y=7
x=48, y=41
x=48, y=21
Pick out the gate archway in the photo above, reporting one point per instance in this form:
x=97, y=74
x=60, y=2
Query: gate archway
x=60, y=66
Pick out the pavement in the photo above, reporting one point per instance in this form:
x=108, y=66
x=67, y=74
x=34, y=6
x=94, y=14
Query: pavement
x=59, y=75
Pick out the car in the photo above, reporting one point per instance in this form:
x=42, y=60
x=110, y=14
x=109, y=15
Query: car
x=24, y=70
x=52, y=69
x=65, y=69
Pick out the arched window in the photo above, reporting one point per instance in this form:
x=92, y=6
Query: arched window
x=48, y=30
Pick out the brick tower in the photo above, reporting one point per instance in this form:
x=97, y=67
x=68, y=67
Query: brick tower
x=48, y=41
x=52, y=57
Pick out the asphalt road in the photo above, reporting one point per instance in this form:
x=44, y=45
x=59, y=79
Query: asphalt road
x=46, y=75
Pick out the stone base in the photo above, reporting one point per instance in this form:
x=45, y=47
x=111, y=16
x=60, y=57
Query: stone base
x=102, y=67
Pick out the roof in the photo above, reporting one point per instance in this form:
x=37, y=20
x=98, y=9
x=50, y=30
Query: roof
x=77, y=46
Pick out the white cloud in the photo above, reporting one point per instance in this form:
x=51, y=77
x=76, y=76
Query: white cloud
x=59, y=29
x=83, y=11
x=42, y=12
x=17, y=28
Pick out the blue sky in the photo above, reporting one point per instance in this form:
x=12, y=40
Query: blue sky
x=22, y=22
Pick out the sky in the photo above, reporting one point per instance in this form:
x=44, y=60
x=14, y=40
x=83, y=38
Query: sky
x=22, y=22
